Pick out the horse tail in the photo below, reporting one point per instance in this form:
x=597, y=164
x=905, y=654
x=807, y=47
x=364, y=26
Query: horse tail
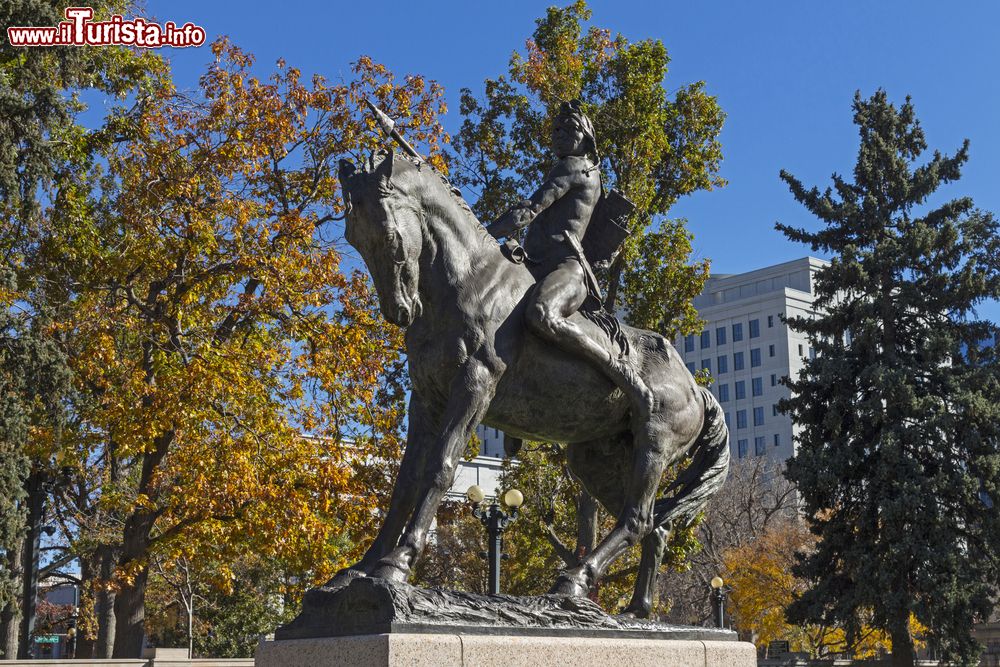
x=688, y=493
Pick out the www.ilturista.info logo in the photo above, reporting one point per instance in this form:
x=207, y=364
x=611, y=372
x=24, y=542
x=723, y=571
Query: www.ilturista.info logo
x=79, y=30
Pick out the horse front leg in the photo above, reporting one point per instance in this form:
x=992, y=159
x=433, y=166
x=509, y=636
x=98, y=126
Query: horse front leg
x=420, y=439
x=653, y=547
x=469, y=397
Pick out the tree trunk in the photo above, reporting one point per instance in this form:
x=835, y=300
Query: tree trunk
x=130, y=617
x=903, y=652
x=10, y=619
x=85, y=635
x=10, y=616
x=190, y=619
x=97, y=640
x=130, y=601
x=104, y=607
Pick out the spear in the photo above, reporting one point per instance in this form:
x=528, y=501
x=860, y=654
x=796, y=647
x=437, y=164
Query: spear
x=389, y=127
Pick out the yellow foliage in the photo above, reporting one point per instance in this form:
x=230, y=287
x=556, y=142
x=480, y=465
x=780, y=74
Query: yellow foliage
x=763, y=585
x=238, y=388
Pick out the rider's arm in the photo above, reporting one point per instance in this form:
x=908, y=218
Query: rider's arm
x=557, y=183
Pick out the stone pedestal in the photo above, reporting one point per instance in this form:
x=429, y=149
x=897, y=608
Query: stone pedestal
x=459, y=650
x=376, y=623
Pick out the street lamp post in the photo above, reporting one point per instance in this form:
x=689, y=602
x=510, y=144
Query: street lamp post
x=719, y=602
x=495, y=520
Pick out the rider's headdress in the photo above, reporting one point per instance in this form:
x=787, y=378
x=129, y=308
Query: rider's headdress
x=573, y=111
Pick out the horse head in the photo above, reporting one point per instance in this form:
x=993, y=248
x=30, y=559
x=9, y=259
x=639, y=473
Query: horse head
x=384, y=224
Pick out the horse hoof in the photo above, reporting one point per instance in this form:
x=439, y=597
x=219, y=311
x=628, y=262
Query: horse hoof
x=568, y=587
x=638, y=614
x=390, y=572
x=343, y=578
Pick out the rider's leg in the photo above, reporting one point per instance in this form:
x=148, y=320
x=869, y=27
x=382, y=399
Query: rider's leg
x=555, y=298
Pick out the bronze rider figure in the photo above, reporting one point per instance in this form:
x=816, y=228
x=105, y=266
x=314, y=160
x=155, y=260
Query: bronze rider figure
x=559, y=213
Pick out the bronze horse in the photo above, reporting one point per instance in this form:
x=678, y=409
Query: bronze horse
x=439, y=274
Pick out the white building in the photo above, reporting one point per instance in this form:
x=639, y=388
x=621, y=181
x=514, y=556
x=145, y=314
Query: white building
x=491, y=440
x=484, y=470
x=748, y=349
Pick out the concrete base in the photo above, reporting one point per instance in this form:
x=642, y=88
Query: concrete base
x=455, y=650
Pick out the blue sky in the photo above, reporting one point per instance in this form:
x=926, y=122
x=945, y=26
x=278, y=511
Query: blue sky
x=785, y=73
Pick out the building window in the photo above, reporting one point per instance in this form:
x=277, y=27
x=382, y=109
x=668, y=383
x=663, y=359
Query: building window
x=720, y=336
x=689, y=343
x=737, y=361
x=723, y=393
x=777, y=440
x=754, y=328
x=770, y=350
x=755, y=357
x=707, y=364
x=741, y=446
x=690, y=366
x=737, y=332
x=758, y=446
x=741, y=419
x=774, y=379
x=729, y=422
x=741, y=390
x=723, y=364
x=812, y=353
x=706, y=340
x=757, y=385
x=758, y=416
x=770, y=321
x=774, y=410
x=800, y=349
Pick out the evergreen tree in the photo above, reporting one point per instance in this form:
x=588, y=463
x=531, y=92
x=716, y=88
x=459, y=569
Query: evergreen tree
x=898, y=462
x=33, y=379
x=13, y=470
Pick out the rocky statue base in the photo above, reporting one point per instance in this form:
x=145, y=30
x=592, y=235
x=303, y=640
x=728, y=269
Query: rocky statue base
x=376, y=623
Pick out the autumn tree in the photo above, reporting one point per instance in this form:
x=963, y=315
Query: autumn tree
x=655, y=147
x=763, y=584
x=456, y=558
x=754, y=499
x=233, y=372
x=897, y=462
x=40, y=140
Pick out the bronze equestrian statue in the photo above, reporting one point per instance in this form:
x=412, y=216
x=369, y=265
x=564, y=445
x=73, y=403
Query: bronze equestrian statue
x=492, y=341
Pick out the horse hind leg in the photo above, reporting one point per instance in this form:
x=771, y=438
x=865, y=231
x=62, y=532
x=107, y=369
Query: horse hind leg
x=657, y=442
x=684, y=498
x=602, y=467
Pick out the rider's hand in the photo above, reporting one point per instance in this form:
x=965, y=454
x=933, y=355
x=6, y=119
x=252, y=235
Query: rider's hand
x=505, y=225
x=512, y=220
x=497, y=230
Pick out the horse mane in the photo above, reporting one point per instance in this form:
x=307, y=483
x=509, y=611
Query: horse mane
x=455, y=195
